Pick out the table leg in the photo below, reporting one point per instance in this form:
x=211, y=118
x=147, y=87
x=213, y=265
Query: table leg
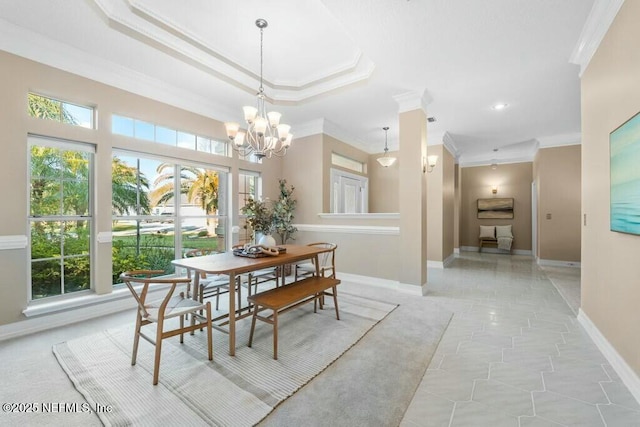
x=232, y=314
x=282, y=275
x=317, y=263
x=196, y=284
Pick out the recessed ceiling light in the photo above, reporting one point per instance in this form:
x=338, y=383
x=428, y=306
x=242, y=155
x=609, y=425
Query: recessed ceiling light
x=500, y=106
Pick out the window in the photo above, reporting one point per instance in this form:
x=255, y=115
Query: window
x=152, y=226
x=248, y=188
x=163, y=135
x=347, y=163
x=60, y=216
x=249, y=157
x=60, y=111
x=349, y=192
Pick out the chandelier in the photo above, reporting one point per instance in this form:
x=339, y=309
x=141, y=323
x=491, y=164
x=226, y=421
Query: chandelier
x=386, y=160
x=265, y=135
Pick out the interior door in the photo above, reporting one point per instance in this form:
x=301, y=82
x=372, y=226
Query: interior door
x=351, y=195
x=349, y=192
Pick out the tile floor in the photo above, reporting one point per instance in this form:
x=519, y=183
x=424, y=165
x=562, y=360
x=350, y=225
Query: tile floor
x=514, y=354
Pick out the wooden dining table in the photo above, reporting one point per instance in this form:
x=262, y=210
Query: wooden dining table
x=234, y=265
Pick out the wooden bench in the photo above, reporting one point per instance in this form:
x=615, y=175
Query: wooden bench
x=488, y=241
x=285, y=298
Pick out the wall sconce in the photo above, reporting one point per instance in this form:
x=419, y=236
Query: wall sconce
x=429, y=163
x=494, y=189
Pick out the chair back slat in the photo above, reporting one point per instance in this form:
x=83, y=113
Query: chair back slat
x=327, y=258
x=145, y=278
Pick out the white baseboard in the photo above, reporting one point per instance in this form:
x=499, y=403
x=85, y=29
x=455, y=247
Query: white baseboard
x=435, y=264
x=383, y=283
x=456, y=251
x=44, y=320
x=449, y=259
x=496, y=250
x=441, y=264
x=629, y=377
x=555, y=263
x=63, y=318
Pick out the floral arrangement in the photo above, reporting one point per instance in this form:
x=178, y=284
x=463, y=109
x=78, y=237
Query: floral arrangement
x=267, y=217
x=259, y=216
x=283, y=213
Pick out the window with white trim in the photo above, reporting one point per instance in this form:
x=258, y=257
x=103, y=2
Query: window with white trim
x=140, y=129
x=47, y=108
x=60, y=216
x=249, y=184
x=348, y=163
x=152, y=223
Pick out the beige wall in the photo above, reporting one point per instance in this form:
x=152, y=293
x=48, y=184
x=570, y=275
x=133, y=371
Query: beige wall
x=610, y=269
x=557, y=173
x=435, y=231
x=440, y=205
x=18, y=76
x=448, y=203
x=302, y=169
x=513, y=180
x=413, y=198
x=383, y=184
x=371, y=255
x=457, y=201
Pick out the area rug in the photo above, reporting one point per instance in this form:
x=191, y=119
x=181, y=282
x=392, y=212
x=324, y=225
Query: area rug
x=237, y=391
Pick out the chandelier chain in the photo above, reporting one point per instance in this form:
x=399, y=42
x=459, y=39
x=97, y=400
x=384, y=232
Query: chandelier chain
x=261, y=89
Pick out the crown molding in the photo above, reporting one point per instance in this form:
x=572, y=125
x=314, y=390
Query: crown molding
x=164, y=22
x=363, y=72
x=313, y=127
x=595, y=28
x=450, y=145
x=326, y=127
x=33, y=46
x=339, y=133
x=560, y=140
x=138, y=21
x=413, y=100
x=444, y=139
x=484, y=162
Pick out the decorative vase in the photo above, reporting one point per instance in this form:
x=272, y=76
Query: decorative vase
x=267, y=240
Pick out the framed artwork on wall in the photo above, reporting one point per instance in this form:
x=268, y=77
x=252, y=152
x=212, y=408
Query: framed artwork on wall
x=624, y=154
x=498, y=208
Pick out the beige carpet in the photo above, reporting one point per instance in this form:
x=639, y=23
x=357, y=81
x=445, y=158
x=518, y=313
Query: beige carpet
x=239, y=390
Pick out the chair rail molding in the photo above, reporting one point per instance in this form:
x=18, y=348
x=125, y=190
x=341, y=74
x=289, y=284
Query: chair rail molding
x=105, y=237
x=351, y=229
x=381, y=215
x=13, y=242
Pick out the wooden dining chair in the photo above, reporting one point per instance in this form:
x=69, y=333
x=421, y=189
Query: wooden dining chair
x=327, y=267
x=168, y=307
x=252, y=279
x=210, y=285
x=326, y=262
